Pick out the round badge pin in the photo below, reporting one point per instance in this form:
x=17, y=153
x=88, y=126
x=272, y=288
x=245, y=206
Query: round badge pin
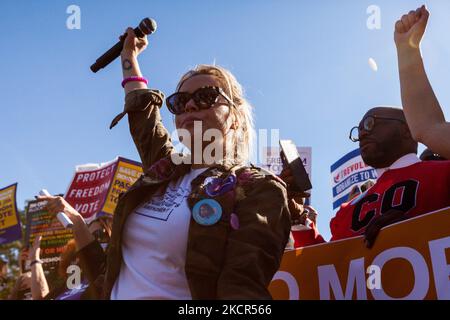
x=207, y=212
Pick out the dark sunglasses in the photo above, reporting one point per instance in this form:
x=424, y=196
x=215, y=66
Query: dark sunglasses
x=204, y=98
x=368, y=123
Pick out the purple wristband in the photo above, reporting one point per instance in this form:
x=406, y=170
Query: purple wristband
x=129, y=79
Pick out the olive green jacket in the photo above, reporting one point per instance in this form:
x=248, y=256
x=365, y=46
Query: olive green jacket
x=222, y=261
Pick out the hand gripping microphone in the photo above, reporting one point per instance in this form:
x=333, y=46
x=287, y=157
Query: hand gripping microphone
x=146, y=27
x=65, y=221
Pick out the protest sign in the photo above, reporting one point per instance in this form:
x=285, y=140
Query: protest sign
x=408, y=261
x=10, y=229
x=95, y=189
x=54, y=235
x=349, y=171
x=126, y=174
x=272, y=161
x=89, y=187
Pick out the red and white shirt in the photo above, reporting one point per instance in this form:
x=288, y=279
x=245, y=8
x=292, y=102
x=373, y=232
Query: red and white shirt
x=410, y=185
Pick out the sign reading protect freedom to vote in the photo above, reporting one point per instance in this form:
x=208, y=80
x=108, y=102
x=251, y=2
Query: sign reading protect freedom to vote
x=347, y=172
x=10, y=229
x=94, y=190
x=410, y=260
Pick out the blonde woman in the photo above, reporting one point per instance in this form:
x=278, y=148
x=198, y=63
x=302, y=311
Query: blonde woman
x=201, y=227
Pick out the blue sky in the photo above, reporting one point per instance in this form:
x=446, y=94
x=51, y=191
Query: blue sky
x=303, y=64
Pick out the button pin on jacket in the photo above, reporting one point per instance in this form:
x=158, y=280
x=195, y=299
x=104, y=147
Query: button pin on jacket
x=217, y=186
x=207, y=212
x=234, y=221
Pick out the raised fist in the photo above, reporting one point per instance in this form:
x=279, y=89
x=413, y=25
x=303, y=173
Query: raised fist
x=410, y=28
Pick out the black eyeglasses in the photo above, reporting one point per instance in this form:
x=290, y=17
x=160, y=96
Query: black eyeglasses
x=368, y=123
x=204, y=98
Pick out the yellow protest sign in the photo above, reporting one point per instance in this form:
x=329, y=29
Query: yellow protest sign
x=10, y=229
x=410, y=260
x=126, y=174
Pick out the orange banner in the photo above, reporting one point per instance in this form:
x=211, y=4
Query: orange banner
x=410, y=260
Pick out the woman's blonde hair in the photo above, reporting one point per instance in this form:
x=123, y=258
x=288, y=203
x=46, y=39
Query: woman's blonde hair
x=243, y=110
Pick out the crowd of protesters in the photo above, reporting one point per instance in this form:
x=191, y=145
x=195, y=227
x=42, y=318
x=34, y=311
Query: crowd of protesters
x=219, y=230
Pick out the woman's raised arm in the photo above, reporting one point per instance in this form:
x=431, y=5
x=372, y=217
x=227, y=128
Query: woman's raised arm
x=142, y=105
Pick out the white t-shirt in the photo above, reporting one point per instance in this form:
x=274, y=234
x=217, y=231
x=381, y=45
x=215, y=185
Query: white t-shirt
x=154, y=246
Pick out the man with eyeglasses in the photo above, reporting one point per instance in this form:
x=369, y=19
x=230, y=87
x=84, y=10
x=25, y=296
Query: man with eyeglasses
x=406, y=187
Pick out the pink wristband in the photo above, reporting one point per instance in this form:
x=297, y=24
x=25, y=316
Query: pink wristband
x=129, y=79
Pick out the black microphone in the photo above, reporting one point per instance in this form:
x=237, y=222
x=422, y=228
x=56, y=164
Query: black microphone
x=146, y=27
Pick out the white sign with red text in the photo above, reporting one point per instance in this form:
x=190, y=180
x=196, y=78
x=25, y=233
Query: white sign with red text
x=347, y=172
